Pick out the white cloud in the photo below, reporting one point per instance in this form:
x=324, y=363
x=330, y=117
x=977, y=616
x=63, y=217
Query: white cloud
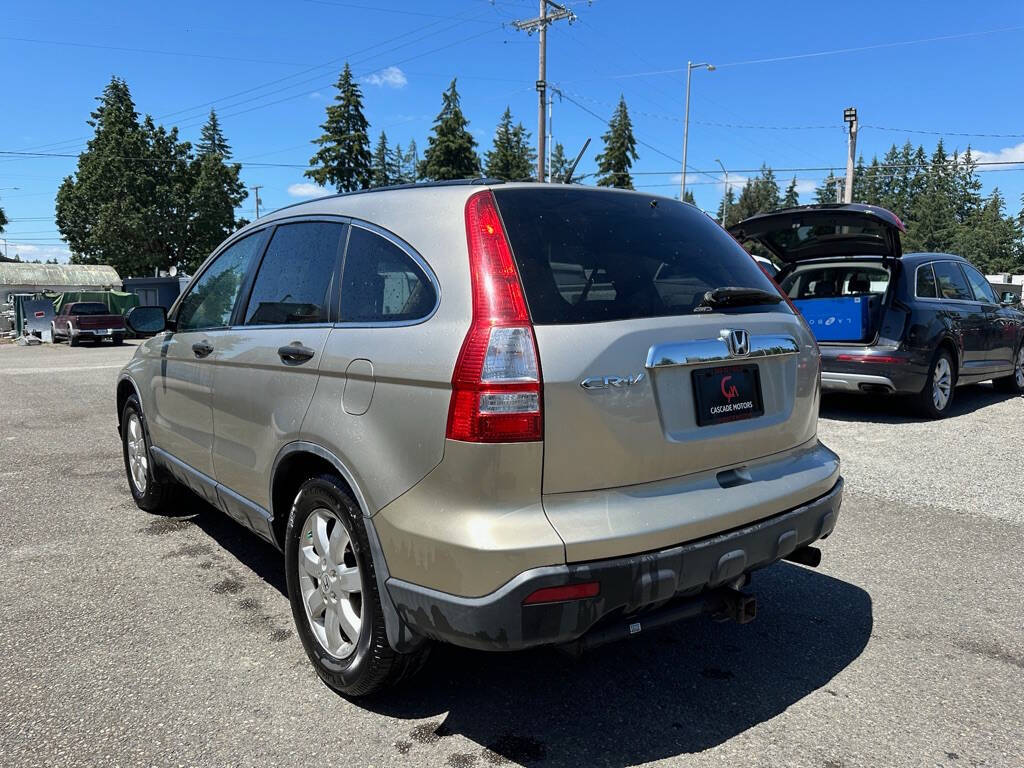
x=29, y=252
x=392, y=77
x=1005, y=155
x=305, y=189
x=316, y=95
x=805, y=186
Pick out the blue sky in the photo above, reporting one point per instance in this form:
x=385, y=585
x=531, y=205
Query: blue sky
x=269, y=68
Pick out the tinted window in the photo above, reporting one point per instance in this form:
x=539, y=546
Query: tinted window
x=295, y=278
x=211, y=299
x=982, y=289
x=588, y=256
x=835, y=281
x=952, y=284
x=382, y=283
x=89, y=308
x=926, y=282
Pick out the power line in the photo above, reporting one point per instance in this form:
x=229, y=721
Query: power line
x=151, y=51
x=948, y=133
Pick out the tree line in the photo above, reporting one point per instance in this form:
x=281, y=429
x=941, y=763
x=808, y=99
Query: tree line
x=141, y=199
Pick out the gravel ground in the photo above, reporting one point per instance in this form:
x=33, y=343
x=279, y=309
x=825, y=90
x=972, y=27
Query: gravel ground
x=128, y=639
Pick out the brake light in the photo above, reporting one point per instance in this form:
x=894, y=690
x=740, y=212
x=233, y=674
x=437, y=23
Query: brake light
x=496, y=394
x=563, y=594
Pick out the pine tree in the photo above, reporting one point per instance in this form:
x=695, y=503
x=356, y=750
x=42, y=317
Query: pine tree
x=991, y=240
x=966, y=186
x=619, y=150
x=409, y=164
x=828, y=190
x=511, y=158
x=759, y=195
x=212, y=141
x=382, y=167
x=3, y=220
x=451, y=148
x=216, y=192
x=933, y=226
x=689, y=198
x=727, y=209
x=344, y=156
x=559, y=165
x=792, y=198
x=127, y=204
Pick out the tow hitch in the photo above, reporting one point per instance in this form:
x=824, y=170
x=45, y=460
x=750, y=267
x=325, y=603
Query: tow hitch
x=722, y=604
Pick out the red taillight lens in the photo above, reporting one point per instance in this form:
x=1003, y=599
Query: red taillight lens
x=496, y=394
x=870, y=359
x=562, y=594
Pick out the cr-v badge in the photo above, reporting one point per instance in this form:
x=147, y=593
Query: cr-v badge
x=609, y=382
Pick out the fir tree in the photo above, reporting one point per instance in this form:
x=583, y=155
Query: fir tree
x=451, y=148
x=559, y=165
x=759, y=195
x=344, y=156
x=689, y=198
x=727, y=209
x=382, y=172
x=409, y=164
x=614, y=163
x=511, y=158
x=828, y=191
x=3, y=220
x=212, y=141
x=792, y=198
x=991, y=240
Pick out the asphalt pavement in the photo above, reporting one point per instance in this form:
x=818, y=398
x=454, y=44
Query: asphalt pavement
x=130, y=639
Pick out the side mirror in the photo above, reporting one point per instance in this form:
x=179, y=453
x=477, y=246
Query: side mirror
x=146, y=321
x=1009, y=299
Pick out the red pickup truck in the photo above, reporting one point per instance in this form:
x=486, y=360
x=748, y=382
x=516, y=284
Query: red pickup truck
x=87, y=320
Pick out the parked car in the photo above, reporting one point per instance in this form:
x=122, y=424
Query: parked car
x=495, y=415
x=919, y=324
x=80, y=320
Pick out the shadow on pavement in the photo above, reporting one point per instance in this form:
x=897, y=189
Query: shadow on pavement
x=682, y=690
x=893, y=409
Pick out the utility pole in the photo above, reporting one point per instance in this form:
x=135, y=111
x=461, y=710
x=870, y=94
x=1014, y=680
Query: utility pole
x=256, y=190
x=690, y=66
x=850, y=118
x=540, y=24
x=725, y=197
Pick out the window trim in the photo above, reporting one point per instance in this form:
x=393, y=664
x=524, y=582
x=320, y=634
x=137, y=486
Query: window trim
x=172, y=314
x=238, y=318
x=935, y=282
x=412, y=254
x=937, y=290
x=981, y=300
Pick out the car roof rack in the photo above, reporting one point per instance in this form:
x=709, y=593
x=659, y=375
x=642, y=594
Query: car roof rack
x=480, y=180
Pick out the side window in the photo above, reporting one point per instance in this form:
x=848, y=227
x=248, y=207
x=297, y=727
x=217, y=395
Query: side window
x=982, y=289
x=382, y=283
x=952, y=284
x=294, y=282
x=211, y=300
x=926, y=282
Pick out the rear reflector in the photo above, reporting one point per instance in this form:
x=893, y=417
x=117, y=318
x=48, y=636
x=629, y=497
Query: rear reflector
x=496, y=394
x=563, y=594
x=870, y=359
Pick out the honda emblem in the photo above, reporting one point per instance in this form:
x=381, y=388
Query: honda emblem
x=738, y=341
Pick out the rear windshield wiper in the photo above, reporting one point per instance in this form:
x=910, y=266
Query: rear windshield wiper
x=737, y=296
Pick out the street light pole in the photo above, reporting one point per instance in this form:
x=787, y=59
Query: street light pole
x=725, y=197
x=690, y=66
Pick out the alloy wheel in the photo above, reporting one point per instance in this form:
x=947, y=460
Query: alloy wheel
x=330, y=582
x=942, y=383
x=138, y=459
x=1018, y=371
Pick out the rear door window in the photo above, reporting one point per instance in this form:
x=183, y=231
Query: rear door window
x=381, y=283
x=590, y=256
x=293, y=285
x=982, y=288
x=926, y=283
x=951, y=282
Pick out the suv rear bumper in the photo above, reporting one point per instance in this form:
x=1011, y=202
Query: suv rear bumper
x=500, y=621
x=876, y=370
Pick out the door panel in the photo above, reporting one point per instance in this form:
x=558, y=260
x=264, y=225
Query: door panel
x=965, y=316
x=182, y=420
x=1000, y=330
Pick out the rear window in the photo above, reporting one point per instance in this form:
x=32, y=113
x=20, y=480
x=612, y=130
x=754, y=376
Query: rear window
x=836, y=281
x=926, y=282
x=90, y=308
x=587, y=256
x=952, y=284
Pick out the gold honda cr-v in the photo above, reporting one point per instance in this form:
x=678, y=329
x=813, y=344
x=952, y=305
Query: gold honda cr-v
x=495, y=415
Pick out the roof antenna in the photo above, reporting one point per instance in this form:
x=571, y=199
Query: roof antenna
x=567, y=179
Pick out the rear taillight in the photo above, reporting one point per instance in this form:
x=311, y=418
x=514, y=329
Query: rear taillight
x=496, y=385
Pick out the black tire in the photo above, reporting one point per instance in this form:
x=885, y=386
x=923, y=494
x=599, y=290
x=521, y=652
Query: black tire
x=118, y=340
x=1014, y=383
x=72, y=339
x=53, y=334
x=926, y=399
x=159, y=494
x=372, y=665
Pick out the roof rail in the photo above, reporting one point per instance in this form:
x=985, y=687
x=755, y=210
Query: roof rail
x=482, y=180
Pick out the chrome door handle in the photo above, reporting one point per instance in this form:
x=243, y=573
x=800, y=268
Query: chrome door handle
x=295, y=354
x=202, y=348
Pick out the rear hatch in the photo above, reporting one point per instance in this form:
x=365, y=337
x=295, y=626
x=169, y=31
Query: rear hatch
x=93, y=315
x=818, y=231
x=644, y=378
